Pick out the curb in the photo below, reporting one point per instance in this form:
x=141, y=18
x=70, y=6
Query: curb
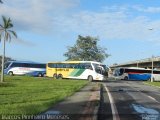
x=92, y=105
x=95, y=117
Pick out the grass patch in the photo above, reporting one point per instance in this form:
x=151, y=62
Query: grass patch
x=30, y=95
x=6, y=84
x=153, y=83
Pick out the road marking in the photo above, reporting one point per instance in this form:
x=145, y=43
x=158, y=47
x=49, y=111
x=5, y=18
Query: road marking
x=152, y=98
x=113, y=106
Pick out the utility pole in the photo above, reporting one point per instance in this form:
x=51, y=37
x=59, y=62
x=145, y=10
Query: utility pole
x=152, y=69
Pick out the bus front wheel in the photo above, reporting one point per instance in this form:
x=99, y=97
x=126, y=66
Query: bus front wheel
x=44, y=75
x=125, y=78
x=10, y=73
x=90, y=78
x=60, y=76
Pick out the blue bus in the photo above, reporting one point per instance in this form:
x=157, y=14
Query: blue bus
x=133, y=73
x=25, y=68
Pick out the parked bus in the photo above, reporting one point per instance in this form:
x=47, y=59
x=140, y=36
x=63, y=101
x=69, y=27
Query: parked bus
x=77, y=70
x=133, y=73
x=24, y=68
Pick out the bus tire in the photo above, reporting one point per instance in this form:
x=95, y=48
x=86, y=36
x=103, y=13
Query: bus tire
x=55, y=76
x=125, y=78
x=60, y=76
x=90, y=78
x=10, y=73
x=40, y=75
x=44, y=75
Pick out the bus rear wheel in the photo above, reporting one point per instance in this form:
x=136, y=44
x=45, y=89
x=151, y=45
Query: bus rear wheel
x=90, y=78
x=10, y=73
x=60, y=76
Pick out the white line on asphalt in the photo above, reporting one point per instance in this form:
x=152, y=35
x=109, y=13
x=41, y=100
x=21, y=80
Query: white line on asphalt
x=152, y=98
x=113, y=106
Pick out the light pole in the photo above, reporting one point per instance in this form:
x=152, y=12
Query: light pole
x=152, y=61
x=152, y=69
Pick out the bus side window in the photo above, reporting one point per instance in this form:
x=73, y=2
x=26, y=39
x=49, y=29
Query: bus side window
x=50, y=65
x=89, y=67
x=82, y=66
x=14, y=65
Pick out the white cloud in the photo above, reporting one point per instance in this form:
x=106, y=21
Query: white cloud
x=58, y=16
x=35, y=15
x=110, y=25
x=147, y=9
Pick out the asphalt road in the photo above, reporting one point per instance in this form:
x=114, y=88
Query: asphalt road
x=129, y=100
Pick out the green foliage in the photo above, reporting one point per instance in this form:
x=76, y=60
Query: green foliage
x=30, y=95
x=86, y=49
x=5, y=29
x=153, y=83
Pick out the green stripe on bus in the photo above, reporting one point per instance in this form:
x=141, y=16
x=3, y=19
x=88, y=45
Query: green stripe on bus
x=73, y=72
x=79, y=72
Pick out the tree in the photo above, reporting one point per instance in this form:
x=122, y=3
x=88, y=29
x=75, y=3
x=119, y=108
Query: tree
x=1, y=1
x=5, y=35
x=86, y=49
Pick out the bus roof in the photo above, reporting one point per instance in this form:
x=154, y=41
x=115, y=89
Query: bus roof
x=77, y=62
x=15, y=61
x=135, y=68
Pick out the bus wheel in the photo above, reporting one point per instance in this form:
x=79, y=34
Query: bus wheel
x=60, y=76
x=125, y=78
x=10, y=73
x=44, y=75
x=39, y=75
x=55, y=76
x=90, y=78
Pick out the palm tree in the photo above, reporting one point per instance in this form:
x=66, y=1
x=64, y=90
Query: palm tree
x=5, y=35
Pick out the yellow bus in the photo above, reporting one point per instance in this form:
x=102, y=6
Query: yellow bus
x=77, y=70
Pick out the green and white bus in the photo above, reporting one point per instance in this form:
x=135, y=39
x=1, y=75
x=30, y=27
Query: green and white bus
x=89, y=70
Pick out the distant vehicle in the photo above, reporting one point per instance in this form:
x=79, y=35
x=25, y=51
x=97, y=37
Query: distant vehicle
x=77, y=70
x=133, y=73
x=24, y=68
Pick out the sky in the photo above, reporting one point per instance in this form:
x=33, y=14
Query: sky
x=129, y=29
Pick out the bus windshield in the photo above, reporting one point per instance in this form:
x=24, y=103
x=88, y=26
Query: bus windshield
x=6, y=65
x=101, y=69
